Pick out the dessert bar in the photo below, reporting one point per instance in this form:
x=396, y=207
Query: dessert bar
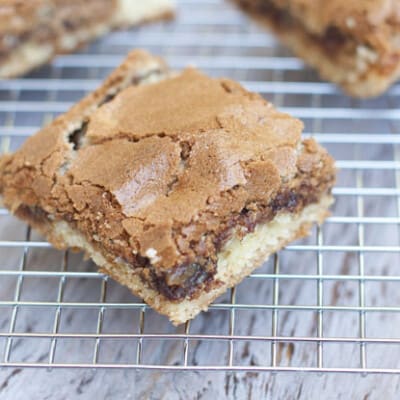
x=33, y=32
x=176, y=184
x=352, y=43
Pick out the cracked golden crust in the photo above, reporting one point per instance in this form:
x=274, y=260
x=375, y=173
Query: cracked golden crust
x=50, y=147
x=164, y=165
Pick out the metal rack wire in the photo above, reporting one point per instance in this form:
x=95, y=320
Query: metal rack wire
x=327, y=304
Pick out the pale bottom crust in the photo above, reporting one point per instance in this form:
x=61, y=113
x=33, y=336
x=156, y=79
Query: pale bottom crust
x=355, y=73
x=237, y=260
x=32, y=54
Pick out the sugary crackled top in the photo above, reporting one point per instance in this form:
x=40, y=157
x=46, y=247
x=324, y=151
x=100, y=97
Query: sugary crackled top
x=374, y=21
x=175, y=156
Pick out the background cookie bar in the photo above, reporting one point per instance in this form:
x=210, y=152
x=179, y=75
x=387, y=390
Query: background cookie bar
x=33, y=32
x=352, y=43
x=176, y=185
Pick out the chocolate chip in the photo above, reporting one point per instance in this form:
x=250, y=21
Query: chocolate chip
x=76, y=136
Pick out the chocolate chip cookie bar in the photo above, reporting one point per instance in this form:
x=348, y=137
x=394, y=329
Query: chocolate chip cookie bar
x=33, y=32
x=176, y=184
x=353, y=43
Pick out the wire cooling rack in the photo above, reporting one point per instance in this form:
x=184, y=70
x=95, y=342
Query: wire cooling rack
x=330, y=303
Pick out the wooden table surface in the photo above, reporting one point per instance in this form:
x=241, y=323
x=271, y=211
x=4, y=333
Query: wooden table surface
x=347, y=290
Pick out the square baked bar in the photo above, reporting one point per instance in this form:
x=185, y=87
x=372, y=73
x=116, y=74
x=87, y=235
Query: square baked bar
x=176, y=185
x=354, y=43
x=32, y=32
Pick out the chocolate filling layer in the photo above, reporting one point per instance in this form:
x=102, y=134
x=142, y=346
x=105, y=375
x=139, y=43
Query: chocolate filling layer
x=189, y=279
x=194, y=278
